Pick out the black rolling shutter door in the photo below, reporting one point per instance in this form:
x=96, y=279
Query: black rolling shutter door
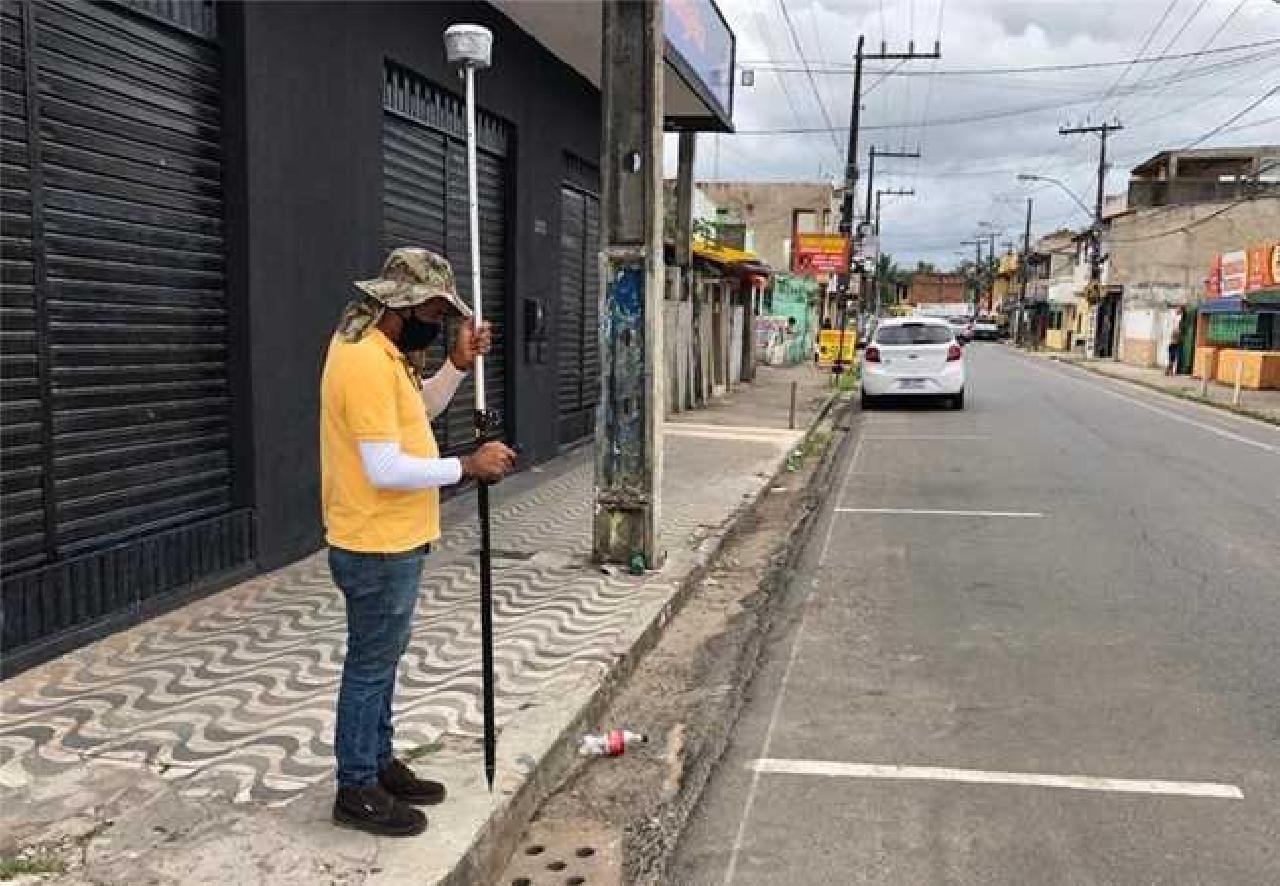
x=578, y=330
x=591, y=312
x=425, y=204
x=22, y=428
x=570, y=319
x=133, y=326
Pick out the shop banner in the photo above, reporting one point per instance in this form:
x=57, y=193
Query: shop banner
x=820, y=254
x=1263, y=262
x=1234, y=273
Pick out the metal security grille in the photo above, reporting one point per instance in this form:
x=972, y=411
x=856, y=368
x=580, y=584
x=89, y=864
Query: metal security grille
x=577, y=339
x=424, y=177
x=119, y=411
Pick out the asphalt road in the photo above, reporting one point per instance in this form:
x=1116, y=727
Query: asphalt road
x=1083, y=670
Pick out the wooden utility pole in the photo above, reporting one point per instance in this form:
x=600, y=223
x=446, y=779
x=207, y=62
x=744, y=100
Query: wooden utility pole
x=628, y=474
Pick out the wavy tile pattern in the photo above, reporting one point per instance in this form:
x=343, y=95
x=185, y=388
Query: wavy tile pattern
x=236, y=692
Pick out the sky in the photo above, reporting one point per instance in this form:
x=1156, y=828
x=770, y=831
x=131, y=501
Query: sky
x=967, y=172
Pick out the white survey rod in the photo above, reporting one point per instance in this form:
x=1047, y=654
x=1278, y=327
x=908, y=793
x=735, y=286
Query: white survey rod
x=473, y=209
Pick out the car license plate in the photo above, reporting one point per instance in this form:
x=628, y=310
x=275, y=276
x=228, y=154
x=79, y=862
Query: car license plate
x=911, y=384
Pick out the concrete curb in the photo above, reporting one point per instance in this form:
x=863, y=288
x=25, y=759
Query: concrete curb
x=489, y=851
x=1177, y=395
x=696, y=773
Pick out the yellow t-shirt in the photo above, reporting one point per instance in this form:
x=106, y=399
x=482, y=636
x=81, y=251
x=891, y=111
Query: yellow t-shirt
x=370, y=392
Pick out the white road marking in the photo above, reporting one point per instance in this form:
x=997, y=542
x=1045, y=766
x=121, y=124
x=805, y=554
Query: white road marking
x=933, y=437
x=740, y=837
x=833, y=769
x=693, y=429
x=937, y=513
x=1167, y=413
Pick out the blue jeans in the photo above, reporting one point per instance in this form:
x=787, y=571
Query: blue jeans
x=381, y=591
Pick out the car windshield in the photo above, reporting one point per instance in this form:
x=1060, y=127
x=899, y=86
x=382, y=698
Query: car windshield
x=913, y=334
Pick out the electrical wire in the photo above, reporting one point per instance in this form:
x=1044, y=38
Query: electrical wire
x=817, y=94
x=834, y=68
x=1233, y=118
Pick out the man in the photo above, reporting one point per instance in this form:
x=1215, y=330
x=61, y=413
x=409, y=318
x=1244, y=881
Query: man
x=381, y=473
x=1175, y=344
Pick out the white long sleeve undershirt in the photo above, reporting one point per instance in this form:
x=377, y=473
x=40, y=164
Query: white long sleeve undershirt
x=438, y=390
x=389, y=467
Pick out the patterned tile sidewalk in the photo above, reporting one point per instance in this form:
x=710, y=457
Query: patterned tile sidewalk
x=233, y=696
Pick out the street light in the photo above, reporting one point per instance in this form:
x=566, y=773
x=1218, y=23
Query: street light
x=1028, y=177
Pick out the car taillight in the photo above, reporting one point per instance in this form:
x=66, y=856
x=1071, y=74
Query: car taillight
x=872, y=354
x=954, y=353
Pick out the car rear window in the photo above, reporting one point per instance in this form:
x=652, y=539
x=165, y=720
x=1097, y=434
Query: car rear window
x=913, y=334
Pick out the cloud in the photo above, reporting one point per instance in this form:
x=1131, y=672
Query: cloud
x=968, y=170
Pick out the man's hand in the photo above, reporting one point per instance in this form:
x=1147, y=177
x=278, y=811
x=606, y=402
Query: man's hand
x=469, y=344
x=490, y=463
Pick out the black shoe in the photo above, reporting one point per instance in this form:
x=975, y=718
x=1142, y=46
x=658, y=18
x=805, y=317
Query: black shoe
x=375, y=811
x=398, y=780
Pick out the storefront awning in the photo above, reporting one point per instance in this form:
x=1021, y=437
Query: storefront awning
x=724, y=255
x=1221, y=306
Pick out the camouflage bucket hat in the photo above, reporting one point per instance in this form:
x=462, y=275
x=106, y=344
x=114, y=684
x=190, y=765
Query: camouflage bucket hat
x=412, y=276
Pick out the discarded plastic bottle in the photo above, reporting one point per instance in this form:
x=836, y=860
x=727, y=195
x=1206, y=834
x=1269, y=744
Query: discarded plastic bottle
x=613, y=743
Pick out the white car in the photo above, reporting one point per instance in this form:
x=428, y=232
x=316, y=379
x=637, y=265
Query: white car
x=962, y=327
x=915, y=357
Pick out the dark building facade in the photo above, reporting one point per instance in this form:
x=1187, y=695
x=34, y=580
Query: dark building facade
x=189, y=189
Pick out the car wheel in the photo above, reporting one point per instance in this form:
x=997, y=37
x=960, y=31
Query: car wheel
x=957, y=402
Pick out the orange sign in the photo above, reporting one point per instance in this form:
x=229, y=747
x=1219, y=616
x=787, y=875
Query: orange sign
x=820, y=254
x=1261, y=273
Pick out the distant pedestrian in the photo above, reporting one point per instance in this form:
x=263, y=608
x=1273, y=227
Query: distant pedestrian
x=381, y=473
x=1175, y=344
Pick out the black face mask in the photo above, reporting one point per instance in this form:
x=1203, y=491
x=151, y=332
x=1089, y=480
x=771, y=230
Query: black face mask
x=415, y=334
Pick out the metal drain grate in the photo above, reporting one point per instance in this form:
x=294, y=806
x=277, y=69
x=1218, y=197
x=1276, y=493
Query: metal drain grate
x=566, y=853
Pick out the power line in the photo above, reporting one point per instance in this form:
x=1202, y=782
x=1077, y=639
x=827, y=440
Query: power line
x=840, y=68
x=817, y=95
x=1234, y=117
x=1145, y=43
x=1174, y=39
x=982, y=116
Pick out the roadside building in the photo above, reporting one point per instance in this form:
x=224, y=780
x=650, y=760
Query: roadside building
x=1181, y=210
x=937, y=288
x=770, y=214
x=189, y=190
x=1237, y=324
x=1052, y=291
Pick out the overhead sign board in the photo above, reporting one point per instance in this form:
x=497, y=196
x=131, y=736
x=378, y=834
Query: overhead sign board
x=703, y=51
x=820, y=254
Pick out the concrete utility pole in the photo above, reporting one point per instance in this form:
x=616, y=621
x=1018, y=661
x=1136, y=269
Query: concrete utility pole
x=1095, y=260
x=876, y=282
x=1024, y=274
x=851, y=161
x=628, y=474
x=684, y=256
x=976, y=243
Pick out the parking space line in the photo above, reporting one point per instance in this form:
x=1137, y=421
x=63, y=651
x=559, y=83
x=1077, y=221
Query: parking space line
x=938, y=513
x=740, y=837
x=833, y=769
